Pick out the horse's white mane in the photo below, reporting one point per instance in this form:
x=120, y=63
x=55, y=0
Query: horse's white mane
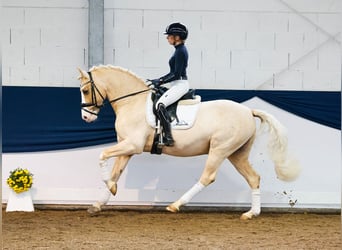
x=109, y=66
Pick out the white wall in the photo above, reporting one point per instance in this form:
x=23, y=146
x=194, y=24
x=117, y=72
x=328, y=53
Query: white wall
x=73, y=176
x=44, y=41
x=247, y=44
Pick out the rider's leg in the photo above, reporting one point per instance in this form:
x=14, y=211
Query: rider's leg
x=165, y=122
x=177, y=90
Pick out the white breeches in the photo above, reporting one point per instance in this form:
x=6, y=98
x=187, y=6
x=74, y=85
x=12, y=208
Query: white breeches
x=177, y=90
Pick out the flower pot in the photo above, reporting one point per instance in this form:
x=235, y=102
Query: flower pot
x=20, y=202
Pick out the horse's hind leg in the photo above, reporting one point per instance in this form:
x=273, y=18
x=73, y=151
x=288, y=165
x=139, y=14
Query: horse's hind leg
x=240, y=161
x=208, y=176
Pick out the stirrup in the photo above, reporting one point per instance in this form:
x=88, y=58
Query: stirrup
x=164, y=126
x=163, y=140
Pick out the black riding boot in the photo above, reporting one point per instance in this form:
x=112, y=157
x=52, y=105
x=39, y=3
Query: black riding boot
x=165, y=122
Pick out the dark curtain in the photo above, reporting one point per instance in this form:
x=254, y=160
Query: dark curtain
x=321, y=107
x=49, y=118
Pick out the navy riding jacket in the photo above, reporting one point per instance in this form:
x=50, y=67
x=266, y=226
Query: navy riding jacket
x=178, y=64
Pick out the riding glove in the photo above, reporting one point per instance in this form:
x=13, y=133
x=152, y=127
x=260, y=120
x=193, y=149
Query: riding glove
x=156, y=82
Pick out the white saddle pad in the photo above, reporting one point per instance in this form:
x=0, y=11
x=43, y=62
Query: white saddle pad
x=186, y=113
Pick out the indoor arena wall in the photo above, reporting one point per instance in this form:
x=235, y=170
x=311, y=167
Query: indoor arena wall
x=282, y=56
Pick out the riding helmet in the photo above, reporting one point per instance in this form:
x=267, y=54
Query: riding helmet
x=177, y=29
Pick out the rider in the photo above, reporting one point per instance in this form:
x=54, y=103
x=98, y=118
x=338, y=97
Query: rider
x=179, y=85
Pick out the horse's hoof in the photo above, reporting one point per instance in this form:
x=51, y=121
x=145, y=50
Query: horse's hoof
x=172, y=209
x=112, y=186
x=93, y=210
x=248, y=215
x=113, y=189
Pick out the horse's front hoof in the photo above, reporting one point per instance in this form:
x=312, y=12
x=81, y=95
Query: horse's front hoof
x=112, y=186
x=93, y=210
x=113, y=189
x=172, y=209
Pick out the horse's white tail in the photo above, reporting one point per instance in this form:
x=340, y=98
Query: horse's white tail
x=287, y=168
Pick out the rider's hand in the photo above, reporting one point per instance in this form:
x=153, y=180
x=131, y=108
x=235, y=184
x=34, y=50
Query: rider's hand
x=156, y=82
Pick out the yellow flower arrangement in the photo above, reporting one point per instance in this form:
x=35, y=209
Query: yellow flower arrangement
x=20, y=180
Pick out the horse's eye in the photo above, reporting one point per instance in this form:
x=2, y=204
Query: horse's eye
x=85, y=92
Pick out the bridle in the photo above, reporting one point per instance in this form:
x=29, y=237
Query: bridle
x=93, y=102
x=94, y=89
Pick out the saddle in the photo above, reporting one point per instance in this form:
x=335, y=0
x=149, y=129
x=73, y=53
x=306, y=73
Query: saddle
x=172, y=113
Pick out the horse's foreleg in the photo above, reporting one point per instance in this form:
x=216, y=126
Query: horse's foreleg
x=110, y=178
x=123, y=148
x=208, y=176
x=119, y=166
x=105, y=195
x=104, y=198
x=123, y=151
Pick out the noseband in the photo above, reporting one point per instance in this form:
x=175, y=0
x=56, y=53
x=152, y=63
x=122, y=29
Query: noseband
x=94, y=89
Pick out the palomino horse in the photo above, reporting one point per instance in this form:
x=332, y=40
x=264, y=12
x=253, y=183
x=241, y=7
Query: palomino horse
x=223, y=129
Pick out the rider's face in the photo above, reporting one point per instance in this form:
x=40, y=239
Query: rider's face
x=171, y=39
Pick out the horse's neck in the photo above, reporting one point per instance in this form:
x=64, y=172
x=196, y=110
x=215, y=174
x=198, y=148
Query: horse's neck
x=122, y=83
x=131, y=111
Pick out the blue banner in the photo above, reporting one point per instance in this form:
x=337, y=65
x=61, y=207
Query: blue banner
x=49, y=118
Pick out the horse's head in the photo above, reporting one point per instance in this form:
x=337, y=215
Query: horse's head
x=92, y=99
x=108, y=82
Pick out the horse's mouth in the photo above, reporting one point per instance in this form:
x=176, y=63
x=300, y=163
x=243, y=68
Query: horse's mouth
x=88, y=117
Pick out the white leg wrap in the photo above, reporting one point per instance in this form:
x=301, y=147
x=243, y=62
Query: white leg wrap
x=255, y=202
x=105, y=171
x=106, y=174
x=104, y=196
x=191, y=193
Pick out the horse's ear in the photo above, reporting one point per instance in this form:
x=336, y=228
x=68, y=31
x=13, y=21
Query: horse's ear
x=83, y=74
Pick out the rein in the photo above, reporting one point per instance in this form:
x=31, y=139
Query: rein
x=94, y=100
x=132, y=94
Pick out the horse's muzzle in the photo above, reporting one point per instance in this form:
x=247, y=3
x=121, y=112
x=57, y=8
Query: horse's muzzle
x=88, y=115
